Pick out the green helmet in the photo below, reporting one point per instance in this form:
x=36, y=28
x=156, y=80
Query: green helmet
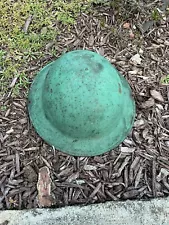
x=81, y=105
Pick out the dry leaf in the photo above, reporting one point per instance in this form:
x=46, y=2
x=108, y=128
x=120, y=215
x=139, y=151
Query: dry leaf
x=101, y=51
x=163, y=173
x=167, y=143
x=91, y=40
x=73, y=177
x=136, y=137
x=49, y=45
x=139, y=123
x=131, y=194
x=126, y=25
x=23, y=121
x=127, y=150
x=145, y=132
x=166, y=42
x=128, y=142
x=157, y=95
x=30, y=174
x=90, y=167
x=134, y=72
x=154, y=58
x=141, y=51
x=131, y=34
x=136, y=59
x=13, y=82
x=148, y=104
x=80, y=182
x=10, y=131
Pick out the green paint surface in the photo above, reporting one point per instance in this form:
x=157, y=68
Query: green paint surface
x=81, y=105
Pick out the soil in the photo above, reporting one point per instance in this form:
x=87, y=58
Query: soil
x=139, y=167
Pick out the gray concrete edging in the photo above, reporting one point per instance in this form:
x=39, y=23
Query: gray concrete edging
x=153, y=212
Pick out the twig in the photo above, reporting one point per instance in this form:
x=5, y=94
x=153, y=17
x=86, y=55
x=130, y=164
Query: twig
x=154, y=179
x=27, y=23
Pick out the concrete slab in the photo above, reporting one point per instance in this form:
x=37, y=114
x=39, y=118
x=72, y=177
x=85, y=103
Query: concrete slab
x=154, y=212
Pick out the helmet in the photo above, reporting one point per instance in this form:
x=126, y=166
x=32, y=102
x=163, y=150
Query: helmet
x=81, y=105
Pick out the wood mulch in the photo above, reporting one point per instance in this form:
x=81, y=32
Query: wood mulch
x=139, y=167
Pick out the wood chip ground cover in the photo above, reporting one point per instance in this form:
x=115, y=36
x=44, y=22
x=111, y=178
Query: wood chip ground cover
x=139, y=167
